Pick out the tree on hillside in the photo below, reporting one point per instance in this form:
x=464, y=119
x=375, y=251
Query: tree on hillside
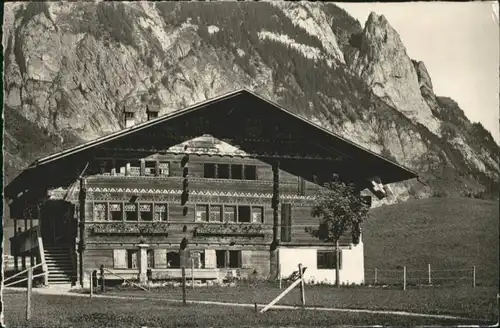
x=340, y=209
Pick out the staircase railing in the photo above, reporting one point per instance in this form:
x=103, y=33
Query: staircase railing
x=27, y=241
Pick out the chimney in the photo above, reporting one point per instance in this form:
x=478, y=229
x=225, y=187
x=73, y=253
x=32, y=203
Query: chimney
x=152, y=112
x=129, y=117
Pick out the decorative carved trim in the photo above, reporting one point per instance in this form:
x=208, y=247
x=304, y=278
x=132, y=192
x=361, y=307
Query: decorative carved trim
x=230, y=229
x=125, y=228
x=209, y=151
x=98, y=193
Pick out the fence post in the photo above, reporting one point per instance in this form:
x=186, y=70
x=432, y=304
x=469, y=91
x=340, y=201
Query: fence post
x=28, y=293
x=302, y=292
x=91, y=285
x=183, y=285
x=375, y=276
x=280, y=277
x=404, y=278
x=430, y=281
x=102, y=278
x=474, y=276
x=192, y=272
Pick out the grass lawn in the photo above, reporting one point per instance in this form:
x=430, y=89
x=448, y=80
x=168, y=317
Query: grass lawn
x=448, y=233
x=475, y=303
x=66, y=311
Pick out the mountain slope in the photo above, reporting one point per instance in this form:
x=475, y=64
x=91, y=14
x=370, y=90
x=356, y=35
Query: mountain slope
x=71, y=69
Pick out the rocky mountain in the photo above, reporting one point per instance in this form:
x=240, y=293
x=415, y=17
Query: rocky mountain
x=70, y=68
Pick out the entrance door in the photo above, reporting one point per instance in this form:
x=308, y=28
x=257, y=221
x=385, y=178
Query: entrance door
x=55, y=225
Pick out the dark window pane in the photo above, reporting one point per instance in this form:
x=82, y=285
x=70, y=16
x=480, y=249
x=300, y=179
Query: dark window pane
x=234, y=259
x=209, y=171
x=236, y=171
x=173, y=260
x=250, y=172
x=146, y=211
x=131, y=212
x=244, y=214
x=223, y=171
x=201, y=212
x=220, y=258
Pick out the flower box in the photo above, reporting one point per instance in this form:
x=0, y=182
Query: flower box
x=230, y=230
x=130, y=229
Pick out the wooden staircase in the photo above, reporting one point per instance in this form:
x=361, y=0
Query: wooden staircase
x=59, y=264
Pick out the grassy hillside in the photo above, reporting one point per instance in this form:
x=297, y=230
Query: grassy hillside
x=449, y=233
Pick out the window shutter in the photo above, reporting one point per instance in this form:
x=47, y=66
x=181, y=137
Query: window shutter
x=246, y=259
x=210, y=259
x=160, y=256
x=120, y=258
x=340, y=259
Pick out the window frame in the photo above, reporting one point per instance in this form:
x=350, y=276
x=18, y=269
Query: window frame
x=328, y=262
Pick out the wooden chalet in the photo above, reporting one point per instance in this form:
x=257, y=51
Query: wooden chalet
x=228, y=183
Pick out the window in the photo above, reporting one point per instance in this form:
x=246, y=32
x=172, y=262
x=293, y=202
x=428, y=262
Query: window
x=236, y=171
x=223, y=171
x=100, y=212
x=257, y=214
x=215, y=213
x=209, y=171
x=131, y=212
x=234, y=259
x=129, y=115
x=151, y=258
x=161, y=213
x=220, y=257
x=134, y=168
x=173, y=260
x=164, y=169
x=228, y=259
x=230, y=171
x=150, y=168
x=327, y=260
x=146, y=212
x=250, y=172
x=244, y=214
x=229, y=213
x=131, y=259
x=286, y=222
x=201, y=212
x=115, y=210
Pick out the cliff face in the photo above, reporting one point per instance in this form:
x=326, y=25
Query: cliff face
x=71, y=68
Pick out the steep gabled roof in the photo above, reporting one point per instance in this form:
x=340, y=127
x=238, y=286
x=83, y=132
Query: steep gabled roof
x=402, y=172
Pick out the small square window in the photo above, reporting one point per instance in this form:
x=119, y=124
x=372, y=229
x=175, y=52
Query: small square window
x=161, y=212
x=201, y=213
x=146, y=212
x=131, y=212
x=215, y=213
x=244, y=214
x=236, y=171
x=257, y=214
x=131, y=259
x=209, y=170
x=150, y=168
x=229, y=213
x=164, y=169
x=250, y=172
x=223, y=171
x=100, y=212
x=115, y=210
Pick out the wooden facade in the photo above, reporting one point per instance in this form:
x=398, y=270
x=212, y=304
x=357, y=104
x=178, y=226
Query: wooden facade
x=227, y=183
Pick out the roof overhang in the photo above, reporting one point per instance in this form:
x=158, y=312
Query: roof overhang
x=387, y=171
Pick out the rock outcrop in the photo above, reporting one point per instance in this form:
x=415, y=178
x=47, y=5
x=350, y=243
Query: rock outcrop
x=71, y=69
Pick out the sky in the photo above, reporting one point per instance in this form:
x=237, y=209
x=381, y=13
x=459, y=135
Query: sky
x=459, y=45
